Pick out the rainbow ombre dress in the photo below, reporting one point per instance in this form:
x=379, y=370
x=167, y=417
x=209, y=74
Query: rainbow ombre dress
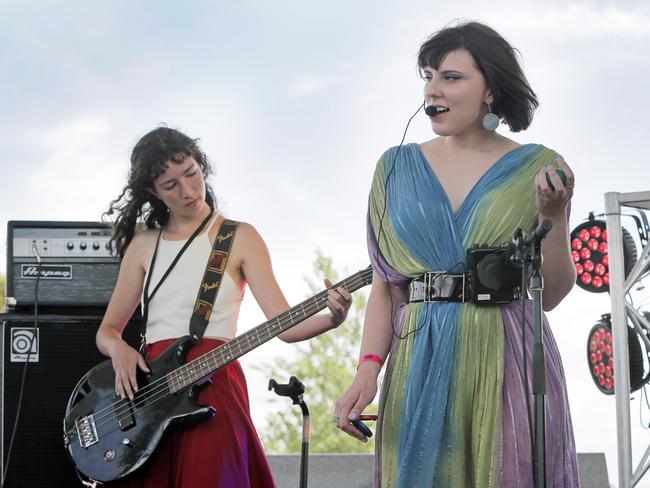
x=452, y=407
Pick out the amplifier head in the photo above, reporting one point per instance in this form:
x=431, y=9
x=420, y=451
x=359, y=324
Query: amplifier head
x=77, y=268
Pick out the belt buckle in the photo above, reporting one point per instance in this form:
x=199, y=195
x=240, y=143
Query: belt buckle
x=428, y=286
x=453, y=287
x=430, y=294
x=415, y=290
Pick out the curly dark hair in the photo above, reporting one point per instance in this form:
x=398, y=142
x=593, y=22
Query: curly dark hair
x=514, y=99
x=137, y=204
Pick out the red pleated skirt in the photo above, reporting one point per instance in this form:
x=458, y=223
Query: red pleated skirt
x=221, y=452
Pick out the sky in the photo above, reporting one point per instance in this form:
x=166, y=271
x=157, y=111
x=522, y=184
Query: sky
x=294, y=102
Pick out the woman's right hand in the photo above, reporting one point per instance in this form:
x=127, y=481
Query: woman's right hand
x=358, y=396
x=125, y=361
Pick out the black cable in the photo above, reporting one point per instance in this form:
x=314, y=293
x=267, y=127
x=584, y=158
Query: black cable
x=146, y=296
x=24, y=376
x=434, y=279
x=381, y=227
x=644, y=396
x=381, y=224
x=620, y=214
x=643, y=230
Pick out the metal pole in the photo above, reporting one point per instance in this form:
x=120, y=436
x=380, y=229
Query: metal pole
x=304, y=457
x=539, y=373
x=619, y=332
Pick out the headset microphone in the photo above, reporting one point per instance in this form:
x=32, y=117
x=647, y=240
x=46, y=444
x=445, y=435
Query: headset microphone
x=430, y=110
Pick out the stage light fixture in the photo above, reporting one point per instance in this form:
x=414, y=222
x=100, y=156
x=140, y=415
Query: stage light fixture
x=589, y=251
x=590, y=254
x=600, y=355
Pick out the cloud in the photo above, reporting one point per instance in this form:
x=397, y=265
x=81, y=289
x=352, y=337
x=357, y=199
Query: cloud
x=544, y=21
x=308, y=84
x=580, y=21
x=78, y=166
x=75, y=135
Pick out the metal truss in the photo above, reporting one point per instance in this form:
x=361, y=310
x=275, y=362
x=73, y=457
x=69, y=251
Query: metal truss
x=622, y=310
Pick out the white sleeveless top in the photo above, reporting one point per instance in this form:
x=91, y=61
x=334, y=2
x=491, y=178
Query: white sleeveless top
x=171, y=307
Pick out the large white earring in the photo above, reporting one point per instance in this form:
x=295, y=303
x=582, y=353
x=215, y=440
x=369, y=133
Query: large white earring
x=490, y=121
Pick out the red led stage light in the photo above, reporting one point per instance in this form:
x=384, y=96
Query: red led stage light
x=589, y=251
x=600, y=357
x=590, y=255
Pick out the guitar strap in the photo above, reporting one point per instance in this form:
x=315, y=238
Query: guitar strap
x=212, y=279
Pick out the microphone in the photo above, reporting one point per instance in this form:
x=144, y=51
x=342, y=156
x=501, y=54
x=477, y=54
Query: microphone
x=540, y=232
x=430, y=111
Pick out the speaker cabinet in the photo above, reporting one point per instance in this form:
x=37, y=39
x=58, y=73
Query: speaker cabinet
x=63, y=351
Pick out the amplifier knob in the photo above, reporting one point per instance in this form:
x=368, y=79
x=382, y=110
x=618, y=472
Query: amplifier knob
x=69, y=245
x=96, y=245
x=82, y=245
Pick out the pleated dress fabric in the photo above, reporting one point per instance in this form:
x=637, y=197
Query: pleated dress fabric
x=453, y=403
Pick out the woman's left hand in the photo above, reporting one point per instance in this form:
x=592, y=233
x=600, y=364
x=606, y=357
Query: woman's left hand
x=552, y=202
x=339, y=301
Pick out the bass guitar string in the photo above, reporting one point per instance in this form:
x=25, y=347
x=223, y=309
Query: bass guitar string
x=188, y=366
x=225, y=355
x=158, y=386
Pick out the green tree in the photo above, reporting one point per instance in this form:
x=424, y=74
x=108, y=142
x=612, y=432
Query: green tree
x=3, y=291
x=326, y=366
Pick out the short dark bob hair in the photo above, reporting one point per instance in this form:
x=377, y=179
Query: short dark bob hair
x=514, y=99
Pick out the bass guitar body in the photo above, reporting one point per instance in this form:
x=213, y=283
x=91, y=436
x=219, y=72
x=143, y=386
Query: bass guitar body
x=108, y=437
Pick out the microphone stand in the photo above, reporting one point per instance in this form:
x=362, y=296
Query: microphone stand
x=294, y=390
x=531, y=251
x=539, y=368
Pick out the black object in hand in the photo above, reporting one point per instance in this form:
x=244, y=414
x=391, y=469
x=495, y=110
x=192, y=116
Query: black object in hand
x=562, y=176
x=362, y=427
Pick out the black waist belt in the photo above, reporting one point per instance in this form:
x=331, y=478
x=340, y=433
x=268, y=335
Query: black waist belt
x=437, y=286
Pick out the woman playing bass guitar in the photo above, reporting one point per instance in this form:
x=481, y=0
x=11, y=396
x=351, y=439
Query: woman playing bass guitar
x=167, y=189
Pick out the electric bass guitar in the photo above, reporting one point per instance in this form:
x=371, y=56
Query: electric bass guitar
x=109, y=437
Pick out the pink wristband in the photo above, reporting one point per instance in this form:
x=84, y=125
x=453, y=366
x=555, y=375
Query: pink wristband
x=370, y=357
